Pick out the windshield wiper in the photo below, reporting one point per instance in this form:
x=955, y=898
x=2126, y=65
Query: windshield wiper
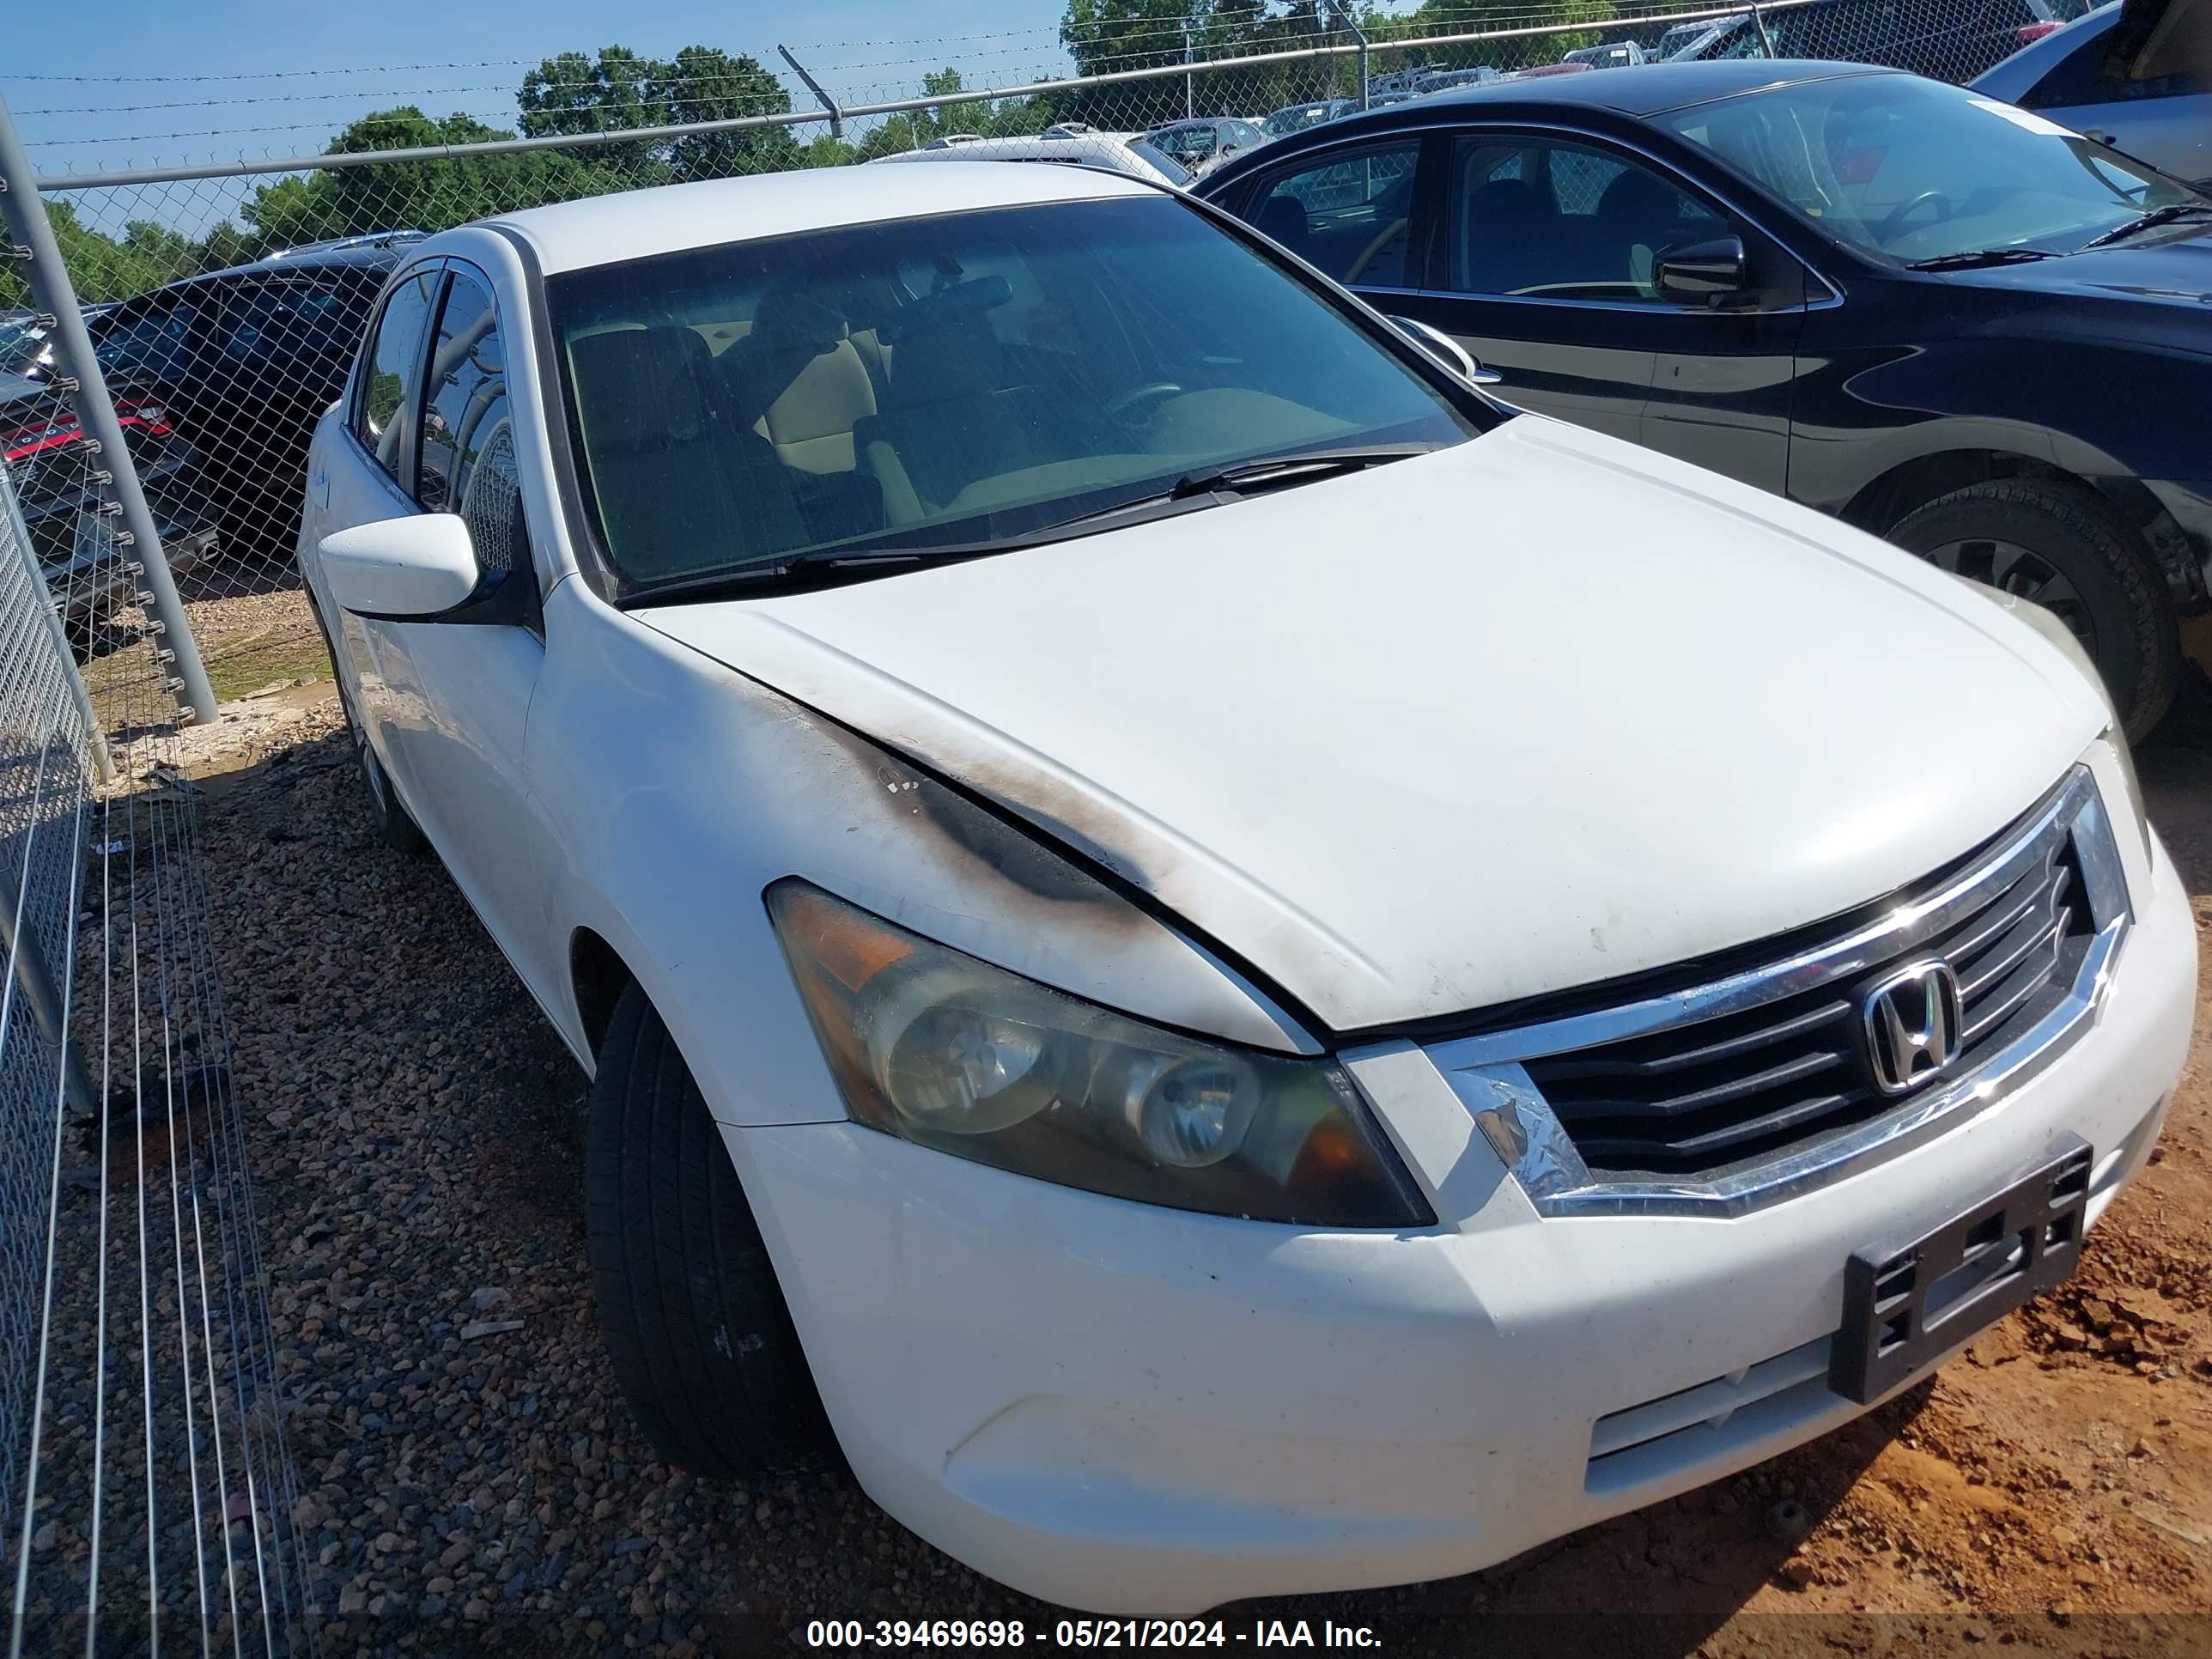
x=1300, y=466
x=1974, y=258
x=829, y=567
x=2151, y=221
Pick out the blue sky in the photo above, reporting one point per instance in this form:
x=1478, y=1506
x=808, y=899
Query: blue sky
x=853, y=46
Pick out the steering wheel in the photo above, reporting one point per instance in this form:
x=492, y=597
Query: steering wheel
x=1353, y=271
x=1123, y=404
x=1893, y=221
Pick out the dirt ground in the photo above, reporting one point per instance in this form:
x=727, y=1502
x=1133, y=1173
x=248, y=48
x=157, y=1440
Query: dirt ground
x=470, y=1490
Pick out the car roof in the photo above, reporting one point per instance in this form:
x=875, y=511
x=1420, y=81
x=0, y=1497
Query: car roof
x=370, y=256
x=1649, y=89
x=636, y=224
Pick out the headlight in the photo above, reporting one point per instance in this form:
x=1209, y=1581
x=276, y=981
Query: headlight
x=947, y=1051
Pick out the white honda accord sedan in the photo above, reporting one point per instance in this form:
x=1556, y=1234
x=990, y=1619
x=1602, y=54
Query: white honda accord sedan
x=1241, y=969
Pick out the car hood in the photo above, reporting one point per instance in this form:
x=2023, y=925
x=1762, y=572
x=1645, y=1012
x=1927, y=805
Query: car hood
x=2175, y=272
x=1539, y=710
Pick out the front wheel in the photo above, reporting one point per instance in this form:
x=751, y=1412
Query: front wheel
x=694, y=1320
x=2060, y=546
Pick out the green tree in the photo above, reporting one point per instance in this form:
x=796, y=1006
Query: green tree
x=416, y=195
x=104, y=267
x=622, y=91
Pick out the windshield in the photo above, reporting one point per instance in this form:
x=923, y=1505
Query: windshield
x=953, y=379
x=1909, y=170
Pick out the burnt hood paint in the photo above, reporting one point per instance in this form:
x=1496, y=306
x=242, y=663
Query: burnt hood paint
x=1534, y=711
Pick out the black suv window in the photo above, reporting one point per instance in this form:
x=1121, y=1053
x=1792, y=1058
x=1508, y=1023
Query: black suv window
x=155, y=337
x=468, y=441
x=276, y=323
x=392, y=367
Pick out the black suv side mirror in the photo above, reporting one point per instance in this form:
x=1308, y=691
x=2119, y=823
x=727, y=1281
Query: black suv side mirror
x=1702, y=273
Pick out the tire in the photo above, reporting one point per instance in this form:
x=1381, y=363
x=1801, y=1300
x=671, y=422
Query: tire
x=397, y=829
x=694, y=1320
x=2059, y=544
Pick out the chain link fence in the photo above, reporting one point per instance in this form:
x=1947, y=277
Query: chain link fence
x=145, y=1494
x=238, y=289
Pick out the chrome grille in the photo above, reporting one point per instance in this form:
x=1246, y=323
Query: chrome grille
x=1704, y=1095
x=1713, y=1092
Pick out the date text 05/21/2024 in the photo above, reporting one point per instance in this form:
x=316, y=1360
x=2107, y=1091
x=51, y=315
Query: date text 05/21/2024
x=903, y=1633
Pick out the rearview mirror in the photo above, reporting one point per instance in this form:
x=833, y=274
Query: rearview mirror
x=1440, y=345
x=1702, y=273
x=414, y=566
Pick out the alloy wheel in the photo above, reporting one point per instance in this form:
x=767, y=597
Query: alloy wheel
x=2011, y=568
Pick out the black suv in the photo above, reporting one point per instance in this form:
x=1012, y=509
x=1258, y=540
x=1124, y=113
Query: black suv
x=217, y=382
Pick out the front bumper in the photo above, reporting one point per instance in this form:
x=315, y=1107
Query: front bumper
x=1142, y=1411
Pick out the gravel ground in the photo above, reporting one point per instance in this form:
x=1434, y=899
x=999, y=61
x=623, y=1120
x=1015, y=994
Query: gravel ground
x=470, y=1482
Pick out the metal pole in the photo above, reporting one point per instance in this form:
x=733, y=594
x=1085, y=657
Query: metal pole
x=836, y=115
x=95, y=413
x=1759, y=22
x=1188, y=97
x=1344, y=16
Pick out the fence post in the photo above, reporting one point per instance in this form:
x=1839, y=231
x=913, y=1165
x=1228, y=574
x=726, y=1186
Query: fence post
x=1188, y=97
x=836, y=115
x=1345, y=16
x=95, y=412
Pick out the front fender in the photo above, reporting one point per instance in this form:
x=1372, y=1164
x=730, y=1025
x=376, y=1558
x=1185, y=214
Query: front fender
x=676, y=790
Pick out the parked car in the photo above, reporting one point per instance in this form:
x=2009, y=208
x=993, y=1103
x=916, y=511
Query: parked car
x=1117, y=152
x=1611, y=54
x=1904, y=303
x=1296, y=118
x=2136, y=76
x=218, y=381
x=1928, y=37
x=24, y=337
x=41, y=443
x=1480, y=74
x=1206, y=141
x=1250, y=972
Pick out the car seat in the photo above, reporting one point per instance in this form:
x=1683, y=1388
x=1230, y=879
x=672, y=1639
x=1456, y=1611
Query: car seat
x=1510, y=238
x=1283, y=221
x=951, y=418
x=798, y=363
x=1637, y=218
x=682, y=485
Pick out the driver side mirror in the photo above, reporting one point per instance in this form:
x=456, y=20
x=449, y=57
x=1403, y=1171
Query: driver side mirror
x=406, y=569
x=1702, y=273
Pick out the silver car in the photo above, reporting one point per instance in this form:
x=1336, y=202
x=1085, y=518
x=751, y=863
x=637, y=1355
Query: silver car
x=2135, y=75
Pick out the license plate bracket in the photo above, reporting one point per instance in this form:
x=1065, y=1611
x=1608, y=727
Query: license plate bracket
x=1906, y=1303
